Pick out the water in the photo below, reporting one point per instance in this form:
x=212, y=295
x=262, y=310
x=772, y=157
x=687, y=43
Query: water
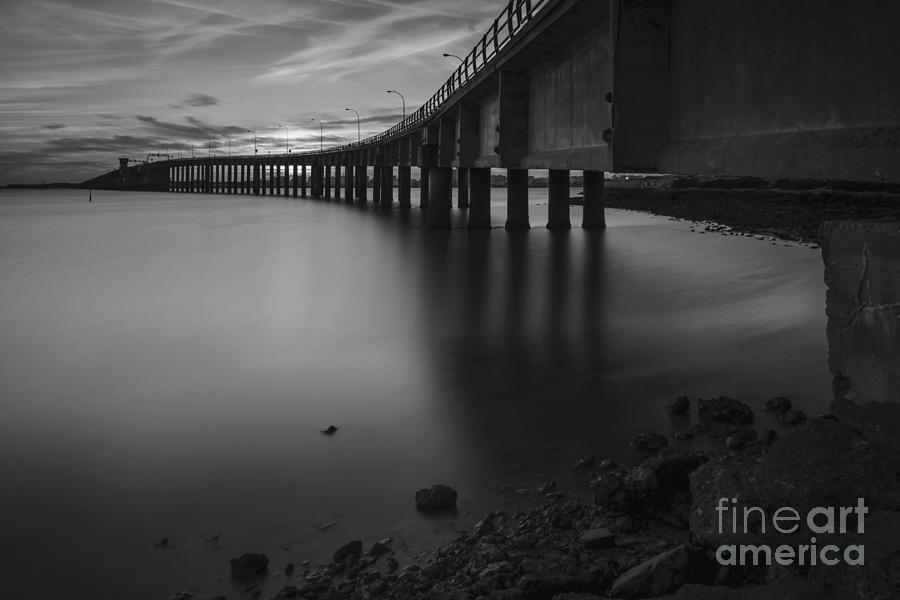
x=167, y=361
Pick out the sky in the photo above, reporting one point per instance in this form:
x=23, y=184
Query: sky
x=84, y=82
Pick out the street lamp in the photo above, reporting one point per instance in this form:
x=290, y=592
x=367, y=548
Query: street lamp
x=255, y=149
x=321, y=128
x=285, y=136
x=229, y=144
x=401, y=98
x=358, y=137
x=453, y=56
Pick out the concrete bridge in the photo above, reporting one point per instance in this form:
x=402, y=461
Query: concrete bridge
x=800, y=89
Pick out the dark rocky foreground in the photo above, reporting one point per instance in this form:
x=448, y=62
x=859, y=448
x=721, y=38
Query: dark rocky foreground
x=790, y=211
x=652, y=531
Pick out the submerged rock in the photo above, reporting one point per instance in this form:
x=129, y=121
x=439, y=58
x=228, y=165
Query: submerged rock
x=249, y=565
x=649, y=441
x=353, y=548
x=727, y=410
x=680, y=405
x=778, y=404
x=437, y=497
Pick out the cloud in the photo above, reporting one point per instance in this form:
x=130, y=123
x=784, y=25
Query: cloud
x=196, y=101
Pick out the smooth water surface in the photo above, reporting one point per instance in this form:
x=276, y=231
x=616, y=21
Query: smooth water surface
x=167, y=362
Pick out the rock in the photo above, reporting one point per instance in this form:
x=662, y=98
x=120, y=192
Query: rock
x=249, y=565
x=680, y=405
x=649, y=441
x=820, y=463
x=794, y=417
x=349, y=549
x=769, y=437
x=163, y=544
x=594, y=539
x=484, y=526
x=288, y=592
x=790, y=589
x=664, y=573
x=733, y=442
x=547, y=487
x=684, y=435
x=437, y=497
x=747, y=434
x=607, y=464
x=330, y=430
x=379, y=548
x=289, y=569
x=779, y=404
x=727, y=410
x=585, y=463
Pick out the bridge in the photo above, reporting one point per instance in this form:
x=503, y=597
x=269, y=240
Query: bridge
x=800, y=89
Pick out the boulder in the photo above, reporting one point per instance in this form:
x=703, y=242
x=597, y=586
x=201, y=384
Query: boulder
x=727, y=410
x=437, y=497
x=249, y=565
x=679, y=406
x=353, y=548
x=779, y=404
x=664, y=573
x=594, y=539
x=649, y=441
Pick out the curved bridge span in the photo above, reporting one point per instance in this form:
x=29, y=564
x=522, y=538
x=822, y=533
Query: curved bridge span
x=802, y=89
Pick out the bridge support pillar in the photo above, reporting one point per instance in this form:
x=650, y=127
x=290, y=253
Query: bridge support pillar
x=327, y=182
x=594, y=217
x=558, y=200
x=362, y=183
x=271, y=179
x=387, y=187
x=517, y=199
x=423, y=188
x=296, y=181
x=208, y=179
x=462, y=188
x=440, y=183
x=480, y=196
x=303, y=180
x=337, y=182
x=376, y=185
x=404, y=176
x=348, y=183
x=256, y=182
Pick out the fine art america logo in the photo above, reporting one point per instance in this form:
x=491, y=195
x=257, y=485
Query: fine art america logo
x=820, y=520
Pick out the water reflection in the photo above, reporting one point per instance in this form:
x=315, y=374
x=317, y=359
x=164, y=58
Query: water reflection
x=168, y=361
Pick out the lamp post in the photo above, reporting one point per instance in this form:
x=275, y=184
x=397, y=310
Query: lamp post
x=358, y=136
x=402, y=99
x=286, y=149
x=229, y=144
x=321, y=130
x=255, y=149
x=454, y=56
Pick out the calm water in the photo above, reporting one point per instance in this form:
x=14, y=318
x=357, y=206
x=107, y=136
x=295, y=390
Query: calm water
x=168, y=360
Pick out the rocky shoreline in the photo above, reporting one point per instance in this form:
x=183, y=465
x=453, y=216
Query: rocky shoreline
x=794, y=211
x=650, y=531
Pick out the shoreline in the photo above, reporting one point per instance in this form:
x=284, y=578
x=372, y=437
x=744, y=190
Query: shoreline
x=784, y=214
x=648, y=531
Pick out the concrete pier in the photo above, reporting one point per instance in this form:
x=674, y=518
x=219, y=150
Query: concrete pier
x=362, y=191
x=423, y=188
x=440, y=183
x=337, y=182
x=387, y=187
x=517, y=199
x=303, y=181
x=348, y=182
x=558, y=200
x=404, y=176
x=462, y=188
x=480, y=197
x=594, y=217
x=296, y=180
x=376, y=185
x=327, y=182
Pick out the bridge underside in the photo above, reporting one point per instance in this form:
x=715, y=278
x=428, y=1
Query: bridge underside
x=766, y=88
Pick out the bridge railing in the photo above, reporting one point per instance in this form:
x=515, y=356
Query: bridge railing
x=504, y=28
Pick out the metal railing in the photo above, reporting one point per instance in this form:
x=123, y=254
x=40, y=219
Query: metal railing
x=504, y=28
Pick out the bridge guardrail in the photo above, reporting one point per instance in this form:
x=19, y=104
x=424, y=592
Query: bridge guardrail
x=504, y=28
